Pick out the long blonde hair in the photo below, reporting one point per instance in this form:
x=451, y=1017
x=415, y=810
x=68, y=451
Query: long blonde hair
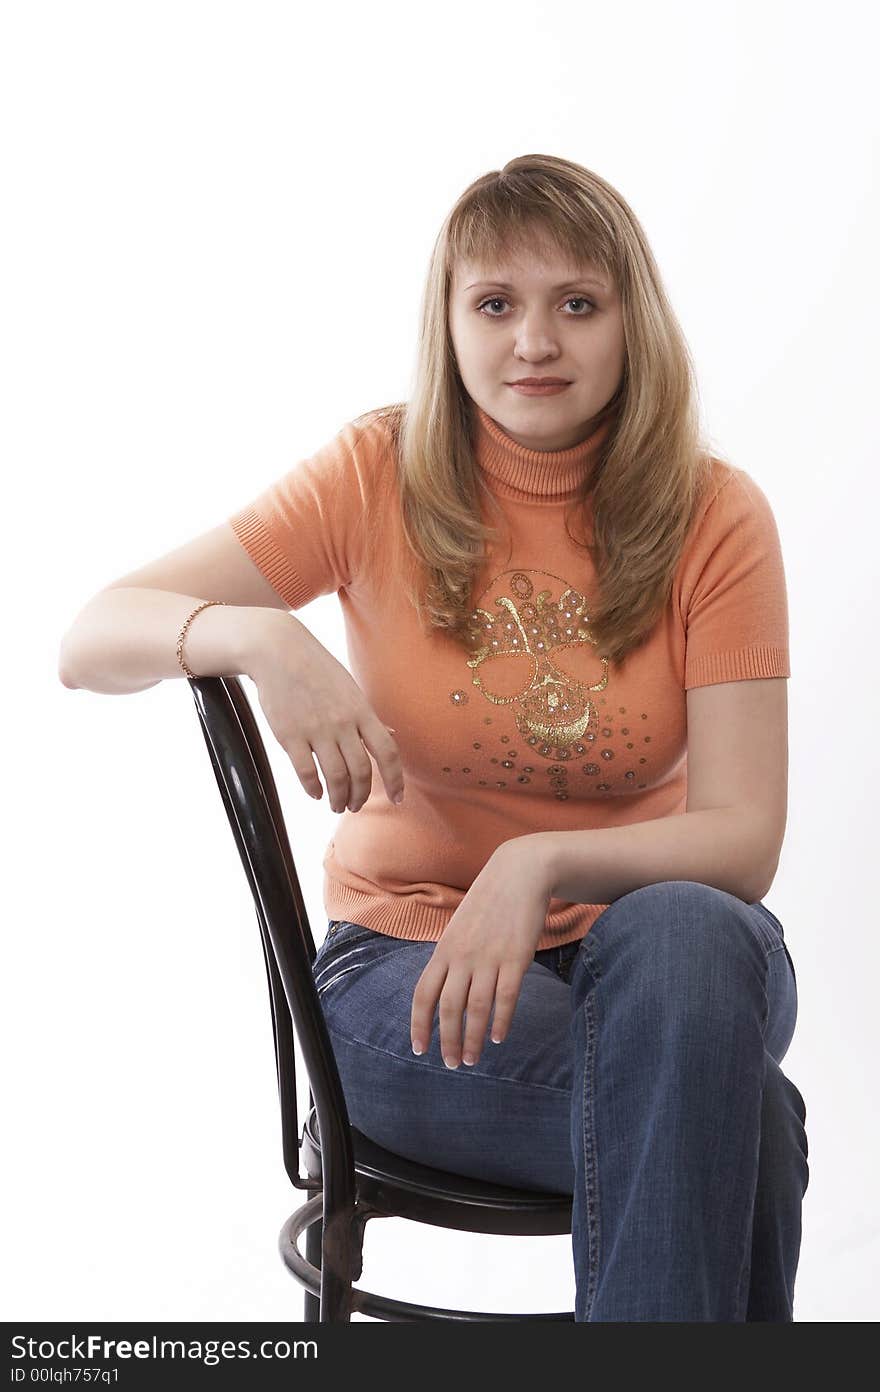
x=653, y=465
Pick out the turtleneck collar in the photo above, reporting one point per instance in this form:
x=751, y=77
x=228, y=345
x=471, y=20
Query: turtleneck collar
x=532, y=475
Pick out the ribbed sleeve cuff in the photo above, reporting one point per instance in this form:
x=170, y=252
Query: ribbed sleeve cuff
x=763, y=660
x=266, y=554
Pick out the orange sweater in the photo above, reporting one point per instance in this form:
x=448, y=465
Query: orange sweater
x=532, y=737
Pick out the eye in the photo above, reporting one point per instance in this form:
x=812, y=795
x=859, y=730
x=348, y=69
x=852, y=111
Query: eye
x=572, y=299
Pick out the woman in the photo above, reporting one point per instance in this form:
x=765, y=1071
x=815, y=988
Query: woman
x=573, y=617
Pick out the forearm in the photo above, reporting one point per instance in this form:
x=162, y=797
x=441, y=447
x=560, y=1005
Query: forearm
x=721, y=847
x=125, y=639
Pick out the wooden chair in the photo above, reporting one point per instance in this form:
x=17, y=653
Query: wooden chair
x=349, y=1178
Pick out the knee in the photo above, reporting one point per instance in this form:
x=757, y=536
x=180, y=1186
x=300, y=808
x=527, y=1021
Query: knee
x=671, y=901
x=672, y=917
x=677, y=943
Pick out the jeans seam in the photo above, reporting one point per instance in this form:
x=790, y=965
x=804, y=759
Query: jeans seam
x=745, y=1274
x=776, y=937
x=426, y=1063
x=591, y=1183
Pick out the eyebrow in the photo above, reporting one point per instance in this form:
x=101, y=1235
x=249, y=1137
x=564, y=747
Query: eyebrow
x=566, y=284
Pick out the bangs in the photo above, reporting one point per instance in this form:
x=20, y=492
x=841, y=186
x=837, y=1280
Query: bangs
x=498, y=224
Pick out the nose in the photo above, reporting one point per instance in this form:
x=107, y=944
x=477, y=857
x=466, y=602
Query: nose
x=535, y=343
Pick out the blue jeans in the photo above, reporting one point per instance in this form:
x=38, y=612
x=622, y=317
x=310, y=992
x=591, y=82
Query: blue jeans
x=640, y=1074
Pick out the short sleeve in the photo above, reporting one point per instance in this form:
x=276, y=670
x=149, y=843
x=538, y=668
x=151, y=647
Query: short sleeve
x=732, y=589
x=304, y=531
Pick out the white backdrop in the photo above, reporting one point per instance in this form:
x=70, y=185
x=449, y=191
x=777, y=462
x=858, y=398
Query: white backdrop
x=217, y=223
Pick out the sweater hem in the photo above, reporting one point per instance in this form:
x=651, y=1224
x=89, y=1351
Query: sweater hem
x=400, y=916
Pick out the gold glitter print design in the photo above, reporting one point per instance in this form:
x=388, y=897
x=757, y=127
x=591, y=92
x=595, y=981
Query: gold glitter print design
x=536, y=657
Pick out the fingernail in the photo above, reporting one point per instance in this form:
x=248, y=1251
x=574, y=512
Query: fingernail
x=495, y=1041
x=398, y=797
x=449, y=1063
x=469, y=1058
x=416, y=1048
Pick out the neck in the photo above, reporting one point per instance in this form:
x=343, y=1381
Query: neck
x=544, y=475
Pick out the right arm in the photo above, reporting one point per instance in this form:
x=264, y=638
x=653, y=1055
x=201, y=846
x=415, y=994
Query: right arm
x=125, y=638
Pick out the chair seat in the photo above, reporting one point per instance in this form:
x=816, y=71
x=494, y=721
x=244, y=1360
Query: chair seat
x=398, y=1187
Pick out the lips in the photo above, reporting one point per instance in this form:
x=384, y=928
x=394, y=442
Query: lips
x=540, y=382
x=539, y=388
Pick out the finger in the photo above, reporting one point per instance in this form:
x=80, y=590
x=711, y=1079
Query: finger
x=506, y=995
x=360, y=770
x=335, y=771
x=453, y=999
x=383, y=746
x=479, y=1004
x=303, y=761
x=424, y=1001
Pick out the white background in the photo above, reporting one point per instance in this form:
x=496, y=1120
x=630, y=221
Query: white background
x=217, y=222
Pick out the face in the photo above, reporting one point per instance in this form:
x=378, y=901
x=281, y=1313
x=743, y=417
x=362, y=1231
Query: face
x=538, y=317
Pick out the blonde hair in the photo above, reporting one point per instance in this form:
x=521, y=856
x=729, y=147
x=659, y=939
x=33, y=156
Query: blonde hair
x=652, y=468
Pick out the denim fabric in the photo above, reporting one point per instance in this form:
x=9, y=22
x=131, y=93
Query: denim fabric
x=640, y=1074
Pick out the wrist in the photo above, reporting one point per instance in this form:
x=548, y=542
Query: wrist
x=538, y=850
x=257, y=632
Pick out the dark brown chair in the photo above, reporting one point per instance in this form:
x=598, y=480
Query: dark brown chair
x=350, y=1179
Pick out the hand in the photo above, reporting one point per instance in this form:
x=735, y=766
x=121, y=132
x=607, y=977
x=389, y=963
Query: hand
x=316, y=710
x=484, y=953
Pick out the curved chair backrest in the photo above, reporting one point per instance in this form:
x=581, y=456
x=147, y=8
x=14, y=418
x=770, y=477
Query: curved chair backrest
x=250, y=797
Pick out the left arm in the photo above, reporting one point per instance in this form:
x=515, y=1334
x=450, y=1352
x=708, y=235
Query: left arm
x=730, y=836
x=719, y=847
x=732, y=832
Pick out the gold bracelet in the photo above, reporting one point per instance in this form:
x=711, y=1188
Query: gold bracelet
x=182, y=634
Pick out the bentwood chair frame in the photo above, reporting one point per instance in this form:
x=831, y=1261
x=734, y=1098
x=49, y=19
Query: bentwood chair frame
x=348, y=1177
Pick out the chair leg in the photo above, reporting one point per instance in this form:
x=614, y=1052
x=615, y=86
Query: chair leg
x=314, y=1237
